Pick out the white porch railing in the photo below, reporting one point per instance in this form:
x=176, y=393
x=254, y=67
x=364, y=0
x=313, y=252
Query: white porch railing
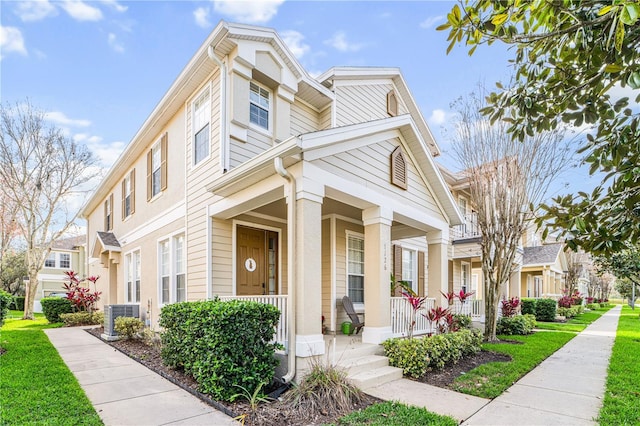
x=280, y=302
x=402, y=314
x=469, y=229
x=473, y=308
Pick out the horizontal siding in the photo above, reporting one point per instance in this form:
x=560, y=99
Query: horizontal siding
x=358, y=104
x=369, y=166
x=303, y=119
x=242, y=152
x=325, y=119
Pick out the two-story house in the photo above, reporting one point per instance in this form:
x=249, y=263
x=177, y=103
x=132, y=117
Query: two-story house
x=251, y=179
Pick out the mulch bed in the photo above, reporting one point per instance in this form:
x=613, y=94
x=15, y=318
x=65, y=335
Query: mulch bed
x=277, y=413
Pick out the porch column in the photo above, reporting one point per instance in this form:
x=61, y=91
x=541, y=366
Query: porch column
x=438, y=269
x=377, y=274
x=307, y=255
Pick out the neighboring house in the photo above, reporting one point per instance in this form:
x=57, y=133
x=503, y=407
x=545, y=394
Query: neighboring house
x=66, y=254
x=543, y=271
x=251, y=179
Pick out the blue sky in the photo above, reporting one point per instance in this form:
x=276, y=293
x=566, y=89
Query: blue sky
x=100, y=67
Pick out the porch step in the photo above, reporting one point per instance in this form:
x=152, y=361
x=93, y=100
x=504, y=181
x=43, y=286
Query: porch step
x=377, y=376
x=364, y=363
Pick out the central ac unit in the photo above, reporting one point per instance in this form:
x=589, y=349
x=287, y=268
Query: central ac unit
x=111, y=312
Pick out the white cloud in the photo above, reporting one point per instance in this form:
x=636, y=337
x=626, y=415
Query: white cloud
x=106, y=153
x=114, y=43
x=11, y=40
x=61, y=119
x=81, y=11
x=30, y=11
x=250, y=12
x=431, y=21
x=294, y=41
x=115, y=5
x=339, y=42
x=201, y=16
x=438, y=117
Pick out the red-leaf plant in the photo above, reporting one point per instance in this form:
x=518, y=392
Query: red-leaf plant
x=82, y=298
x=510, y=306
x=416, y=303
x=435, y=316
x=450, y=297
x=462, y=297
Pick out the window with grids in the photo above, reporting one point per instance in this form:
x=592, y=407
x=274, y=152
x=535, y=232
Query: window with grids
x=464, y=277
x=409, y=268
x=50, y=261
x=127, y=196
x=259, y=106
x=165, y=274
x=65, y=260
x=108, y=213
x=355, y=267
x=132, y=269
x=172, y=280
x=201, y=118
x=156, y=176
x=179, y=270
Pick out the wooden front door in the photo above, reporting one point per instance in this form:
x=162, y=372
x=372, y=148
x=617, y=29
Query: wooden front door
x=256, y=261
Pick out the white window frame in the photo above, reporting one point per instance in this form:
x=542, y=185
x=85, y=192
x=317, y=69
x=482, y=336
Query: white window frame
x=206, y=123
x=412, y=270
x=358, y=236
x=175, y=267
x=51, y=257
x=156, y=169
x=127, y=196
x=132, y=273
x=60, y=260
x=258, y=104
x=465, y=276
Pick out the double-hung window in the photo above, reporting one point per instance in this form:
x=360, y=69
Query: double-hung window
x=128, y=194
x=50, y=261
x=355, y=268
x=201, y=118
x=172, y=282
x=65, y=260
x=132, y=271
x=409, y=268
x=108, y=213
x=464, y=277
x=259, y=106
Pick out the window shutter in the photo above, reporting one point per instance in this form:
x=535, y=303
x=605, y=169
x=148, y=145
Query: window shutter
x=133, y=191
x=106, y=216
x=392, y=103
x=398, y=168
x=421, y=270
x=124, y=196
x=149, y=173
x=163, y=161
x=397, y=268
x=112, y=212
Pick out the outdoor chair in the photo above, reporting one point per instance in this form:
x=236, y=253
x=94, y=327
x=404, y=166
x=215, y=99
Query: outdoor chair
x=353, y=316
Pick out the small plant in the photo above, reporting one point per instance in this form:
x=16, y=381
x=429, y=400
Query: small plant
x=461, y=321
x=82, y=298
x=516, y=325
x=416, y=303
x=449, y=296
x=254, y=398
x=510, y=307
x=82, y=318
x=436, y=316
x=128, y=327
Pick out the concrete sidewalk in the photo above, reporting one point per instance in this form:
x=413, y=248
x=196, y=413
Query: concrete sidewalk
x=565, y=389
x=125, y=392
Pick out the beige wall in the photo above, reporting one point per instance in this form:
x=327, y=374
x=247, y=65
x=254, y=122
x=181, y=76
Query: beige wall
x=363, y=101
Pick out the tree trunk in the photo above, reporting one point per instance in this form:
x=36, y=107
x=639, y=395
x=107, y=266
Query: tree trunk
x=32, y=289
x=490, y=309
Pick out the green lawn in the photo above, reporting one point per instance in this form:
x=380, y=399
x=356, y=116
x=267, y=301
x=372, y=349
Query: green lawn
x=577, y=324
x=395, y=414
x=492, y=379
x=36, y=387
x=622, y=395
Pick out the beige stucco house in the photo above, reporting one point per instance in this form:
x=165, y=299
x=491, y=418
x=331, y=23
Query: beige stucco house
x=253, y=179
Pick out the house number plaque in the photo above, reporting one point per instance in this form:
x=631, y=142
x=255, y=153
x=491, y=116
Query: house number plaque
x=250, y=264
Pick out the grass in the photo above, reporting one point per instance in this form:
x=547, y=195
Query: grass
x=492, y=379
x=36, y=387
x=622, y=395
x=395, y=414
x=576, y=324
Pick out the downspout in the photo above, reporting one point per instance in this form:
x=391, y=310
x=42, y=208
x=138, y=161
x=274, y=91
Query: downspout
x=291, y=219
x=224, y=139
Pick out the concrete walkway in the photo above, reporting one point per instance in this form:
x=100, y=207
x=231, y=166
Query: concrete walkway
x=565, y=389
x=125, y=392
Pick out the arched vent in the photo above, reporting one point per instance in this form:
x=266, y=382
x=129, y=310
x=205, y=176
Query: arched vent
x=399, y=168
x=392, y=103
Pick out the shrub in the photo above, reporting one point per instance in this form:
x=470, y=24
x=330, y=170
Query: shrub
x=82, y=318
x=510, y=306
x=545, y=310
x=224, y=345
x=461, y=321
x=52, y=307
x=518, y=325
x=18, y=303
x=5, y=301
x=593, y=305
x=418, y=356
x=565, y=302
x=528, y=306
x=128, y=327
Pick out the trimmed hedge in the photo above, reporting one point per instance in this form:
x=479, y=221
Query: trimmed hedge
x=5, y=301
x=82, y=318
x=545, y=310
x=128, y=327
x=528, y=306
x=52, y=307
x=517, y=325
x=419, y=355
x=224, y=345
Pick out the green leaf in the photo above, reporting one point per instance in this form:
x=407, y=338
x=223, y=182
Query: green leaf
x=619, y=37
x=604, y=10
x=629, y=14
x=613, y=68
x=443, y=27
x=499, y=19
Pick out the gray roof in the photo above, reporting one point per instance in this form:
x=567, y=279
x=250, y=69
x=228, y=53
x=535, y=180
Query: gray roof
x=108, y=239
x=540, y=255
x=70, y=243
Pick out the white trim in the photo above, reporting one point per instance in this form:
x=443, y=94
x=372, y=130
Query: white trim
x=169, y=237
x=334, y=264
x=234, y=260
x=343, y=218
x=349, y=233
x=125, y=270
x=191, y=140
x=468, y=284
x=309, y=345
x=376, y=335
x=270, y=111
x=178, y=211
x=266, y=217
x=209, y=254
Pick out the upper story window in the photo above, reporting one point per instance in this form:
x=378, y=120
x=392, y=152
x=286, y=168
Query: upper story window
x=108, y=213
x=50, y=261
x=157, y=168
x=128, y=194
x=65, y=260
x=201, y=118
x=58, y=260
x=259, y=105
